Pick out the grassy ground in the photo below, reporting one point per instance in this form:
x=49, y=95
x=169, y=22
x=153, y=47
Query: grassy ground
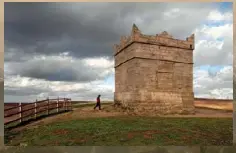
x=127, y=131
x=84, y=126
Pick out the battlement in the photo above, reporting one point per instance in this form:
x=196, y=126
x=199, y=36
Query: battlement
x=163, y=39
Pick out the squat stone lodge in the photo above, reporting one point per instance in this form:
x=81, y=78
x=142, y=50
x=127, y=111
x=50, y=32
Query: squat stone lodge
x=154, y=74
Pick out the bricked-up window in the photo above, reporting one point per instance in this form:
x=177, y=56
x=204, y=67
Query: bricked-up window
x=164, y=80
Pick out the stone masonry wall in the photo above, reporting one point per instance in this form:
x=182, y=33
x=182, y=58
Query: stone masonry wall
x=154, y=74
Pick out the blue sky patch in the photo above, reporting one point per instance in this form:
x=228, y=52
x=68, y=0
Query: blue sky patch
x=225, y=6
x=109, y=80
x=212, y=70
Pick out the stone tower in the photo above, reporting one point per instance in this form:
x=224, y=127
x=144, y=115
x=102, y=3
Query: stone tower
x=154, y=74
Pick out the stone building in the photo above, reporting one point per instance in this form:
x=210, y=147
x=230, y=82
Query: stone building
x=154, y=74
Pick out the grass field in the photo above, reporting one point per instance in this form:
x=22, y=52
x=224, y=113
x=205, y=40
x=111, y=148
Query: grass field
x=85, y=126
x=129, y=131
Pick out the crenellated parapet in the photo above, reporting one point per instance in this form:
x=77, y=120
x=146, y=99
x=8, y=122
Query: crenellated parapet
x=163, y=39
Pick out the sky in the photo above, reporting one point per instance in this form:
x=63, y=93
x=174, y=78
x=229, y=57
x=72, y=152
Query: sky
x=66, y=49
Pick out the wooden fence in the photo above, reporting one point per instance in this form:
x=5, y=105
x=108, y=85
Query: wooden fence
x=26, y=111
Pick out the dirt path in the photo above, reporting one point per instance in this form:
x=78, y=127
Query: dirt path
x=77, y=113
x=85, y=112
x=88, y=112
x=208, y=113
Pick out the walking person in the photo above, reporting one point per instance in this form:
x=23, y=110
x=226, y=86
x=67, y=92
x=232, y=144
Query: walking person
x=98, y=104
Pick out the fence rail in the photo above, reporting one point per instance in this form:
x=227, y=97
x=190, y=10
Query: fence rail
x=18, y=114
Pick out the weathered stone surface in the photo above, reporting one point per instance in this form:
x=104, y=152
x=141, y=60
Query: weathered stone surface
x=154, y=74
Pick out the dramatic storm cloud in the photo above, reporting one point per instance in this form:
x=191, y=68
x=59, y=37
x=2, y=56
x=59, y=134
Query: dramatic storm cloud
x=65, y=49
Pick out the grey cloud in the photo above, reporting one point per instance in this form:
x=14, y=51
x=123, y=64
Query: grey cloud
x=214, y=57
x=220, y=81
x=46, y=24
x=83, y=30
x=89, y=29
x=22, y=91
x=18, y=94
x=59, y=70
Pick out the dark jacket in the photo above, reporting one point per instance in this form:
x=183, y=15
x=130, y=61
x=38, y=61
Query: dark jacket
x=98, y=99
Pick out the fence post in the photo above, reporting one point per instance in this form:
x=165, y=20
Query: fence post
x=62, y=104
x=57, y=104
x=48, y=106
x=66, y=104
x=70, y=105
x=35, y=109
x=20, y=107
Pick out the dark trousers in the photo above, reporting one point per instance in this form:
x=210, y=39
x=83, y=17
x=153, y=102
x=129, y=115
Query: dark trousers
x=98, y=105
